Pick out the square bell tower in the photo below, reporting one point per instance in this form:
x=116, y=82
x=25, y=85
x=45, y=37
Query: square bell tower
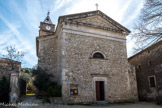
x=46, y=27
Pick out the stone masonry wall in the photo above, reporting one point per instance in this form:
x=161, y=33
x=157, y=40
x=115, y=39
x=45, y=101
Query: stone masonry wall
x=81, y=70
x=96, y=20
x=68, y=56
x=132, y=85
x=47, y=58
x=6, y=68
x=144, y=70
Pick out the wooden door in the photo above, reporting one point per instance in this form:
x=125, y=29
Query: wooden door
x=100, y=95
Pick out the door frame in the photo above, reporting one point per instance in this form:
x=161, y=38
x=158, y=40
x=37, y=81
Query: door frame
x=104, y=79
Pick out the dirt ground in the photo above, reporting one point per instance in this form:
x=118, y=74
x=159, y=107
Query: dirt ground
x=32, y=102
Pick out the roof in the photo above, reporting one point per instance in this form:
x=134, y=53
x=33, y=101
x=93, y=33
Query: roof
x=148, y=48
x=6, y=60
x=69, y=18
x=47, y=19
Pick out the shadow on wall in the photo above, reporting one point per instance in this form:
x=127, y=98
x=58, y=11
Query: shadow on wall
x=4, y=89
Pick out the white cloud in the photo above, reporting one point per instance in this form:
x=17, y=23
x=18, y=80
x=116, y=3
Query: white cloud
x=130, y=45
x=18, y=41
x=123, y=9
x=31, y=16
x=59, y=4
x=135, y=14
x=35, y=11
x=116, y=9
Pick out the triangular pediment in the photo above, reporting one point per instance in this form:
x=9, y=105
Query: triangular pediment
x=95, y=19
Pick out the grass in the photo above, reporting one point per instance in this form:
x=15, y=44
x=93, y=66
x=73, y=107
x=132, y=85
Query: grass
x=31, y=94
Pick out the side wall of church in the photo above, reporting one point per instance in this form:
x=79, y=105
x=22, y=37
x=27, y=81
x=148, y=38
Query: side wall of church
x=81, y=71
x=47, y=58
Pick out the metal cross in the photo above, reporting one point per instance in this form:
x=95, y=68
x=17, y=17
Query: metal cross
x=96, y=6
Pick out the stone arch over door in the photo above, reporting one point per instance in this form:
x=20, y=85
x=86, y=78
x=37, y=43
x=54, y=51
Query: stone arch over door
x=99, y=79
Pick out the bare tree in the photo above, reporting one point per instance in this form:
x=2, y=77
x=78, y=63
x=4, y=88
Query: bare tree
x=148, y=30
x=13, y=56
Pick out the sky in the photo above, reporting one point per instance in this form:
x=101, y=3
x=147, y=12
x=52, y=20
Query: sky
x=20, y=20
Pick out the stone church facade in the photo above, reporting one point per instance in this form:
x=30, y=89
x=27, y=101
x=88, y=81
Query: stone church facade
x=87, y=56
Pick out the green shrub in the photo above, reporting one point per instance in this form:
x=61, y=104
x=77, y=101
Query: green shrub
x=42, y=79
x=43, y=82
x=4, y=90
x=55, y=90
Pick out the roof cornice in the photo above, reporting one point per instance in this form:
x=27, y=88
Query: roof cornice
x=69, y=18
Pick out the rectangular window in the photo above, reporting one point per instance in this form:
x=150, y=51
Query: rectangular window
x=150, y=63
x=152, y=81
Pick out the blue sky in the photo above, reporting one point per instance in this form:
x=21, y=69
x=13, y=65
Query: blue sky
x=20, y=20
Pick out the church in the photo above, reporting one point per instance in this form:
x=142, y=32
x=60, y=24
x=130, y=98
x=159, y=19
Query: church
x=86, y=52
